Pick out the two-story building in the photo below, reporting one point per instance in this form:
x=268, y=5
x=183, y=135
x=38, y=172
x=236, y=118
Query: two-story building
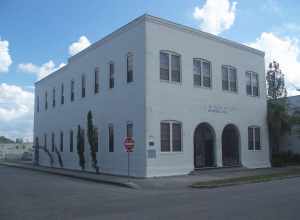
x=189, y=99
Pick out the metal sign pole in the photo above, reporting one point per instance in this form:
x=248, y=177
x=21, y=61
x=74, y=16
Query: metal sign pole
x=128, y=164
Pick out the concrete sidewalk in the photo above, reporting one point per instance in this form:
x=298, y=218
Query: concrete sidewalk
x=155, y=183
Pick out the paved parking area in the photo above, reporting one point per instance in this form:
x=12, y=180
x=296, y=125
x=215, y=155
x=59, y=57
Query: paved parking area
x=33, y=195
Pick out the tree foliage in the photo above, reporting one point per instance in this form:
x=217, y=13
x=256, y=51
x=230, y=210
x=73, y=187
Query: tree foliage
x=80, y=147
x=92, y=134
x=275, y=81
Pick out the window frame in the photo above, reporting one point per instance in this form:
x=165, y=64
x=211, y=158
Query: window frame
x=46, y=100
x=229, y=67
x=53, y=97
x=96, y=80
x=128, y=72
x=62, y=91
x=111, y=75
x=170, y=54
x=253, y=129
x=61, y=144
x=72, y=95
x=252, y=73
x=71, y=144
x=52, y=141
x=111, y=142
x=83, y=86
x=202, y=74
x=171, y=122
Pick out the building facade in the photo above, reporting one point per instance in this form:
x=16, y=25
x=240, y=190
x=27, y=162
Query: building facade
x=189, y=99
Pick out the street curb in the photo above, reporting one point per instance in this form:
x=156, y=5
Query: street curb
x=128, y=184
x=212, y=186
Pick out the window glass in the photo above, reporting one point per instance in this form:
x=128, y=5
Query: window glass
x=129, y=68
x=83, y=86
x=248, y=85
x=165, y=137
x=61, y=141
x=96, y=78
x=225, y=84
x=111, y=138
x=62, y=94
x=46, y=100
x=71, y=140
x=176, y=136
x=255, y=84
x=72, y=90
x=52, y=142
x=53, y=97
x=111, y=75
x=175, y=68
x=38, y=104
x=250, y=138
x=197, y=72
x=164, y=66
x=257, y=138
x=232, y=79
x=206, y=74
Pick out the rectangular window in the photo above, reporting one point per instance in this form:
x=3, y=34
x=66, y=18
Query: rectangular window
x=164, y=66
x=254, y=138
x=71, y=140
x=46, y=100
x=176, y=137
x=165, y=136
x=96, y=89
x=202, y=72
x=111, y=75
x=129, y=129
x=170, y=61
x=229, y=78
x=171, y=136
x=72, y=90
x=129, y=68
x=38, y=104
x=61, y=141
x=45, y=140
x=252, y=84
x=53, y=98
x=62, y=99
x=111, y=138
x=52, y=142
x=83, y=84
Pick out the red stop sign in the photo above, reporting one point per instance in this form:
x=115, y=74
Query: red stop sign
x=129, y=144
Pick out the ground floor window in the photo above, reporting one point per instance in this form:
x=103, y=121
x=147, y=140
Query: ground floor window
x=254, y=138
x=170, y=136
x=111, y=138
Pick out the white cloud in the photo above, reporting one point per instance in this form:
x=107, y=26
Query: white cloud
x=40, y=71
x=286, y=52
x=16, y=111
x=216, y=16
x=5, y=59
x=79, y=45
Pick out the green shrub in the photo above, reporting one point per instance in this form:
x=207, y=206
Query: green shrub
x=285, y=159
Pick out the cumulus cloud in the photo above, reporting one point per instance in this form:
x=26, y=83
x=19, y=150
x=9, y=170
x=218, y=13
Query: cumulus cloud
x=16, y=111
x=40, y=71
x=5, y=59
x=79, y=45
x=284, y=50
x=216, y=16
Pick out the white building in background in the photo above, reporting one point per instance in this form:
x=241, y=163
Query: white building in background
x=190, y=100
x=16, y=151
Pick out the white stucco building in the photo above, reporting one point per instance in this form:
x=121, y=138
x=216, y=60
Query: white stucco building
x=190, y=100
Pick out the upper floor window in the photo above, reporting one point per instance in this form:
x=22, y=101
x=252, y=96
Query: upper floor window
x=111, y=138
x=83, y=84
x=170, y=136
x=254, y=138
x=53, y=98
x=62, y=98
x=229, y=78
x=72, y=90
x=46, y=100
x=71, y=140
x=96, y=76
x=252, y=86
x=129, y=61
x=202, y=72
x=111, y=75
x=170, y=66
x=38, y=104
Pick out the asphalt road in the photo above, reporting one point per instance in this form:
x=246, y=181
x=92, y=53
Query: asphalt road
x=32, y=195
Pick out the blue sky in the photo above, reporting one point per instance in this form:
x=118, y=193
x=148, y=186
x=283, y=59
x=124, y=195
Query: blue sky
x=37, y=32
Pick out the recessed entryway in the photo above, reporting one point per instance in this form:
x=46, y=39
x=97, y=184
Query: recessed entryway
x=204, y=144
x=231, y=146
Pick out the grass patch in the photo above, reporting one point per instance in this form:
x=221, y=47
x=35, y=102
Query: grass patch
x=247, y=179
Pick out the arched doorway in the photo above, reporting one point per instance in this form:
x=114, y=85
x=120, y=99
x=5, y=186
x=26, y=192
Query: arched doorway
x=231, y=146
x=204, y=141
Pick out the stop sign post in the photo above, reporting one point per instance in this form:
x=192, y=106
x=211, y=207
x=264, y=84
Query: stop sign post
x=129, y=146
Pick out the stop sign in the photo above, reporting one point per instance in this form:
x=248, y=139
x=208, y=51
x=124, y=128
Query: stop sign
x=129, y=144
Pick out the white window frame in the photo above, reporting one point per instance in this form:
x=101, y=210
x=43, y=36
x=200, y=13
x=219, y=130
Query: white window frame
x=171, y=122
x=253, y=127
x=229, y=67
x=202, y=75
x=251, y=83
x=129, y=54
x=170, y=53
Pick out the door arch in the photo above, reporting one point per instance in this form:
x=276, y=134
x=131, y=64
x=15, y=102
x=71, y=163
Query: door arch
x=204, y=144
x=231, y=145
